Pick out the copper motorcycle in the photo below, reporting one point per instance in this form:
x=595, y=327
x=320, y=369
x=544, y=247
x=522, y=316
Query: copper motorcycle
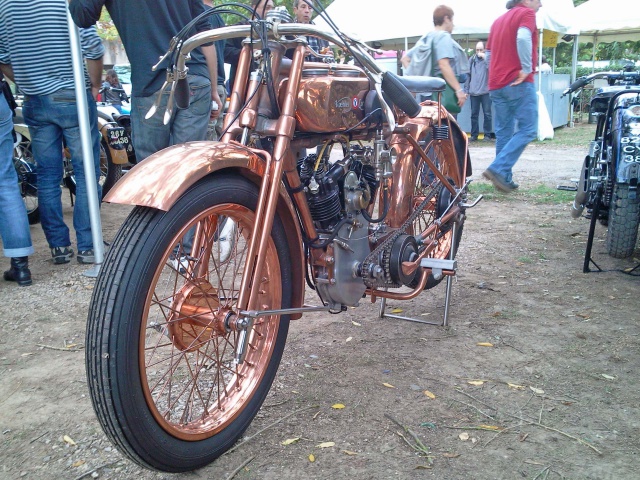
x=184, y=340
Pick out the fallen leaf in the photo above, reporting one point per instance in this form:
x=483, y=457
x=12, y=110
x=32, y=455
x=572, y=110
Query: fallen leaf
x=326, y=444
x=289, y=441
x=475, y=382
x=537, y=391
x=464, y=436
x=312, y=458
x=349, y=339
x=428, y=425
x=474, y=439
x=429, y=394
x=490, y=427
x=78, y=463
x=450, y=455
x=516, y=387
x=26, y=354
x=484, y=344
x=388, y=385
x=68, y=440
x=396, y=310
x=349, y=452
x=337, y=406
x=423, y=467
x=608, y=377
x=356, y=323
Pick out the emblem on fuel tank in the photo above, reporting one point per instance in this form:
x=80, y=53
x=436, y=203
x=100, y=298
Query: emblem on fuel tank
x=343, y=104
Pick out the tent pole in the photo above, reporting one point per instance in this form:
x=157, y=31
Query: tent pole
x=540, y=60
x=574, y=60
x=87, y=150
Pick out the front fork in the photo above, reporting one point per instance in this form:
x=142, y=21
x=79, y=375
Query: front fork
x=267, y=201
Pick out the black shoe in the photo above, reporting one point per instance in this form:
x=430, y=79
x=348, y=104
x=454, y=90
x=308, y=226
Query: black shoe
x=19, y=271
x=473, y=139
x=86, y=257
x=61, y=255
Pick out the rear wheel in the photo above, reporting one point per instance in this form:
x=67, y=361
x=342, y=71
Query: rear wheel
x=441, y=236
x=27, y=180
x=160, y=353
x=110, y=172
x=624, y=217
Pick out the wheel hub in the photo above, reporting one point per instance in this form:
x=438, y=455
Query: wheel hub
x=198, y=315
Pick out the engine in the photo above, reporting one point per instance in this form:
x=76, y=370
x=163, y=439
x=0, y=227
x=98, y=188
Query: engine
x=339, y=195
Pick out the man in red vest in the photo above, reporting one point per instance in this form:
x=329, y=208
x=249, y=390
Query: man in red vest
x=512, y=53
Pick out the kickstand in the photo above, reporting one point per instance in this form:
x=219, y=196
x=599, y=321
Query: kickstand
x=437, y=267
x=592, y=228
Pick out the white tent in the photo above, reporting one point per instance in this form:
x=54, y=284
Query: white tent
x=399, y=27
x=608, y=21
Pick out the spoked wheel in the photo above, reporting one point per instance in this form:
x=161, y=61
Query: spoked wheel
x=110, y=172
x=27, y=179
x=440, y=237
x=162, y=336
x=624, y=218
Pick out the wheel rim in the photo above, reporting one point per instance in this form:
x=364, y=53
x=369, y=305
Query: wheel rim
x=425, y=182
x=190, y=381
x=28, y=186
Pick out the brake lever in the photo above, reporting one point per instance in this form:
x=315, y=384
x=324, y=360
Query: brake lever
x=172, y=47
x=154, y=108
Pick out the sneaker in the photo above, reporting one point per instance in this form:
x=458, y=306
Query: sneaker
x=473, y=139
x=179, y=264
x=86, y=257
x=227, y=239
x=499, y=182
x=61, y=255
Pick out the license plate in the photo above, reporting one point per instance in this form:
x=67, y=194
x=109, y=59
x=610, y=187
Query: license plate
x=118, y=138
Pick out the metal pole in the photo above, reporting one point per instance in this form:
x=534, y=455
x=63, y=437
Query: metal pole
x=87, y=150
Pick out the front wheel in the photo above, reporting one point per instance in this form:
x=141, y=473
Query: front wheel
x=624, y=217
x=160, y=354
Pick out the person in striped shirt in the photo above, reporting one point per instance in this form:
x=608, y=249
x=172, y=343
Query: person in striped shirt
x=35, y=52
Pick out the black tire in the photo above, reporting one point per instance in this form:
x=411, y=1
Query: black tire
x=624, y=217
x=427, y=219
x=110, y=172
x=28, y=181
x=129, y=355
x=113, y=170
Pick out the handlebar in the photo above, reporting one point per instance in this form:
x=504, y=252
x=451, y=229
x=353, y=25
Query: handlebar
x=288, y=33
x=611, y=76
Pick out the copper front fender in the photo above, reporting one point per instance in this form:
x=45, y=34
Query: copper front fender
x=162, y=178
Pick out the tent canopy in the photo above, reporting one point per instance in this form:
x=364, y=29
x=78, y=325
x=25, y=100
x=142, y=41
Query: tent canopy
x=608, y=21
x=402, y=25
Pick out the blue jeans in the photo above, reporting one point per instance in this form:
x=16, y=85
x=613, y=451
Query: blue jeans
x=52, y=118
x=14, y=225
x=152, y=135
x=483, y=101
x=513, y=106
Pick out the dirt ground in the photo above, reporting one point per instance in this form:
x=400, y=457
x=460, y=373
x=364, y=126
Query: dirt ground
x=536, y=377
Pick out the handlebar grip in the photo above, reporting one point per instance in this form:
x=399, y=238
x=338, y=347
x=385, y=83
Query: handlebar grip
x=399, y=95
x=182, y=93
x=579, y=83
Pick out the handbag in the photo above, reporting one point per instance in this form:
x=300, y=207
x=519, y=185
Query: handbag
x=449, y=99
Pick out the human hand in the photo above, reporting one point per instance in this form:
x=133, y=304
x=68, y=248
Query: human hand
x=462, y=97
x=216, y=98
x=520, y=79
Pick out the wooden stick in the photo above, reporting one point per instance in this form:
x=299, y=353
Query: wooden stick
x=244, y=464
x=546, y=427
x=268, y=427
x=471, y=406
x=65, y=349
x=86, y=474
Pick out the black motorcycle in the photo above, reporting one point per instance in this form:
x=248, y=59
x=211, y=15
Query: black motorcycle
x=608, y=185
